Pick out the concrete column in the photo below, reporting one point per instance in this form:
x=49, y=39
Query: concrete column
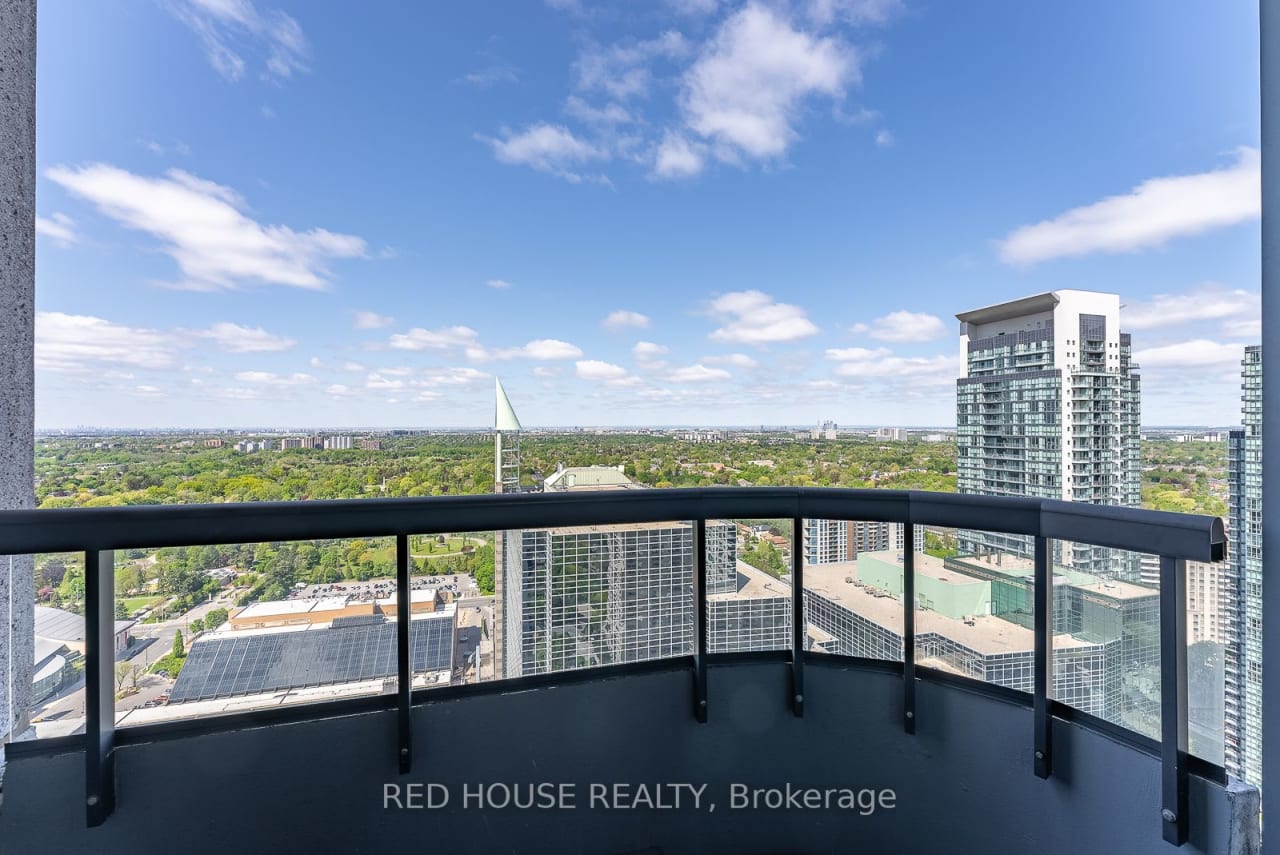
x=17, y=334
x=1270, y=83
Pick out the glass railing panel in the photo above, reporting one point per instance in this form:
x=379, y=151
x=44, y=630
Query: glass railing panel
x=588, y=596
x=221, y=629
x=854, y=578
x=749, y=564
x=1106, y=657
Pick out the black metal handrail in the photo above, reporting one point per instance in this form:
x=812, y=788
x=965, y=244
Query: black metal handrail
x=1176, y=538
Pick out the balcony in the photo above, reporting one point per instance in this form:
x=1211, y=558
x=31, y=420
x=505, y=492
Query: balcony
x=923, y=753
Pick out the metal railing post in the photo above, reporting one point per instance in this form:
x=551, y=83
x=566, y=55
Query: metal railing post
x=1042, y=598
x=404, y=663
x=700, y=622
x=99, y=681
x=1173, y=698
x=909, y=628
x=797, y=616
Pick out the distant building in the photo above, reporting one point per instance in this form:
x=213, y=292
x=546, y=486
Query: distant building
x=56, y=625
x=370, y=445
x=701, y=436
x=289, y=442
x=753, y=615
x=279, y=648
x=1205, y=601
x=1242, y=586
x=974, y=617
x=1048, y=406
x=338, y=443
x=894, y=434
x=597, y=595
x=587, y=477
x=213, y=443
x=53, y=669
x=832, y=541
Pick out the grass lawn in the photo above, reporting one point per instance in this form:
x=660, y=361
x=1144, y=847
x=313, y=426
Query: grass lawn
x=429, y=546
x=132, y=604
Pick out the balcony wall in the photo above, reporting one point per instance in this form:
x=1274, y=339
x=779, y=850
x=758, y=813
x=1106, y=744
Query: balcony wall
x=963, y=782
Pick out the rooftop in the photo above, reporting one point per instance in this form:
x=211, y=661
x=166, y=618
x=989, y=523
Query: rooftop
x=61, y=625
x=588, y=477
x=982, y=633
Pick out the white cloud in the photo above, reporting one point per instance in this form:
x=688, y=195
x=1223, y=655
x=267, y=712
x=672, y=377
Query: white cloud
x=903, y=326
x=593, y=369
x=612, y=113
x=239, y=393
x=1206, y=302
x=238, y=339
x=203, y=227
x=58, y=227
x=499, y=284
x=548, y=148
x=546, y=371
x=752, y=317
x=1150, y=215
x=462, y=376
x=543, y=348
x=491, y=76
x=353, y=366
x=843, y=354
x=79, y=343
x=227, y=28
x=1250, y=328
x=740, y=360
x=1198, y=353
x=645, y=351
x=881, y=362
x=623, y=318
x=377, y=381
x=145, y=391
x=441, y=339
x=884, y=138
x=268, y=378
x=622, y=70
x=161, y=149
x=372, y=321
x=676, y=157
x=746, y=90
x=468, y=340
x=698, y=374
x=340, y=391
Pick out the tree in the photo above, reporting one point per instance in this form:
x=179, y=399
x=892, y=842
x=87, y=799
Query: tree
x=179, y=650
x=122, y=674
x=215, y=618
x=122, y=613
x=197, y=625
x=71, y=589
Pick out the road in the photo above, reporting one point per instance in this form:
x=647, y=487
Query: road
x=65, y=713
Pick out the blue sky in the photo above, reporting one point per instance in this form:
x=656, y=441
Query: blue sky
x=256, y=212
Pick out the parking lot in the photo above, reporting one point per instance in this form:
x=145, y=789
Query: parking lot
x=457, y=585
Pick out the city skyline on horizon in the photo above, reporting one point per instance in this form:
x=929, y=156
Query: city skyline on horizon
x=490, y=204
